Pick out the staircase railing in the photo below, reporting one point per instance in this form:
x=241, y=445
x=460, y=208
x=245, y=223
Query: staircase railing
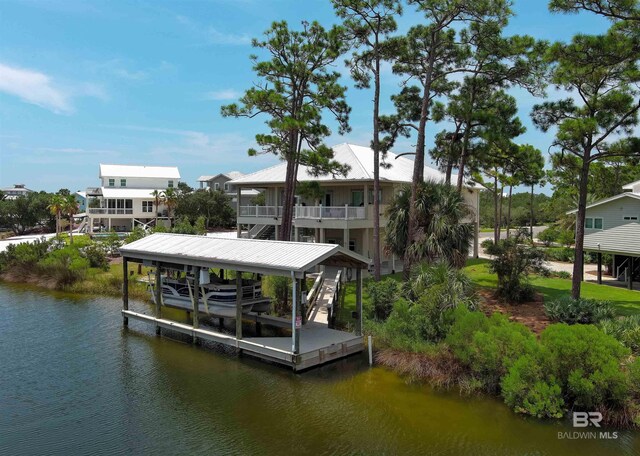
x=313, y=294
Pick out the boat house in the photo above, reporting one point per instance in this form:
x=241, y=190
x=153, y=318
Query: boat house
x=305, y=343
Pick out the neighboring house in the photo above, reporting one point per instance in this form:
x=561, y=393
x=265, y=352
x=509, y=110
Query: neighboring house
x=16, y=191
x=81, y=198
x=222, y=182
x=344, y=213
x=612, y=226
x=124, y=198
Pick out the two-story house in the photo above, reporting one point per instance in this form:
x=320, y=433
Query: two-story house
x=16, y=191
x=612, y=225
x=222, y=182
x=125, y=196
x=343, y=213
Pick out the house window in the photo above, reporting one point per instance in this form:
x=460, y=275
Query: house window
x=216, y=186
x=112, y=182
x=357, y=198
x=352, y=245
x=597, y=223
x=593, y=223
x=147, y=206
x=226, y=186
x=371, y=196
x=170, y=184
x=123, y=182
x=630, y=218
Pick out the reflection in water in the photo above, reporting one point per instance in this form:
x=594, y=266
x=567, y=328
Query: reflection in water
x=74, y=381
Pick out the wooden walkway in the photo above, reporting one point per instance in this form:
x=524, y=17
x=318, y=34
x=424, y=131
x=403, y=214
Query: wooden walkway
x=318, y=343
x=320, y=312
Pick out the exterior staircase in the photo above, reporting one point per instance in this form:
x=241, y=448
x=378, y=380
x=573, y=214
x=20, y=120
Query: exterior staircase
x=262, y=232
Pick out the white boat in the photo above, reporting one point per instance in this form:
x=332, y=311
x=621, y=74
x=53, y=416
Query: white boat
x=217, y=298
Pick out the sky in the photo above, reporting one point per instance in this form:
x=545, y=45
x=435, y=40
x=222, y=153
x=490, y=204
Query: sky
x=142, y=82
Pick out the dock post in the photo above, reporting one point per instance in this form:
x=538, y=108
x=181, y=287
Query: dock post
x=196, y=303
x=125, y=289
x=599, y=268
x=158, y=291
x=238, y=305
x=359, y=301
x=295, y=334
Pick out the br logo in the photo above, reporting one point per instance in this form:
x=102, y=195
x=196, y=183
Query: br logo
x=584, y=419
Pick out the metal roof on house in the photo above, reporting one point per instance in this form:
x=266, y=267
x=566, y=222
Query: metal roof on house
x=119, y=192
x=250, y=255
x=359, y=158
x=607, y=200
x=230, y=175
x=162, y=172
x=623, y=240
x=631, y=186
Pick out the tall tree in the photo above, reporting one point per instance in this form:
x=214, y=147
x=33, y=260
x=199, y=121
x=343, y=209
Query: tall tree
x=55, y=206
x=158, y=197
x=625, y=10
x=530, y=171
x=170, y=198
x=70, y=208
x=368, y=24
x=602, y=73
x=296, y=88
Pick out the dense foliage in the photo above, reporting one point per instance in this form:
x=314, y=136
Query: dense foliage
x=571, y=311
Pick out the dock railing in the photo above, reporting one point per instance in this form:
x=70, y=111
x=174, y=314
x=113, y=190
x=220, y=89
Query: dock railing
x=312, y=296
x=335, y=298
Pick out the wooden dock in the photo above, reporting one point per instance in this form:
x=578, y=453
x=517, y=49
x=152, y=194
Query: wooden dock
x=318, y=344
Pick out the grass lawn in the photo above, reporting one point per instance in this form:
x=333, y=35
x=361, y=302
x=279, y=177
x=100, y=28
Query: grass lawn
x=626, y=302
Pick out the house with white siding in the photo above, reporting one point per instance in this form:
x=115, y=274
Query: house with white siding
x=612, y=227
x=222, y=182
x=344, y=213
x=125, y=198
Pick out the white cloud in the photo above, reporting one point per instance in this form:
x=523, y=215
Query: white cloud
x=221, y=95
x=35, y=88
x=212, y=35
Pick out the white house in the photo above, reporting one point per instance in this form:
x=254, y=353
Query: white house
x=124, y=198
x=222, y=182
x=16, y=191
x=612, y=226
x=344, y=214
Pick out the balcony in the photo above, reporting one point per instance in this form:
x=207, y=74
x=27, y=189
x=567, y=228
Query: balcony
x=106, y=211
x=307, y=212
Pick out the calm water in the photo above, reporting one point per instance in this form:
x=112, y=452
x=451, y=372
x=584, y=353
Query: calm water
x=73, y=381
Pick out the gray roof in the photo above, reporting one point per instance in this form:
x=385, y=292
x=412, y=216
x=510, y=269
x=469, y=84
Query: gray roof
x=250, y=255
x=607, y=200
x=230, y=174
x=623, y=240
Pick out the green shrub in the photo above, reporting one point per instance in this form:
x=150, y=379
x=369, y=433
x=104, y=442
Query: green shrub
x=625, y=329
x=279, y=289
x=96, y=253
x=183, y=226
x=571, y=311
x=528, y=388
x=486, y=244
x=200, y=226
x=513, y=262
x=549, y=235
x=24, y=255
x=566, y=238
x=65, y=266
x=586, y=363
x=490, y=349
x=406, y=328
x=136, y=234
x=112, y=243
x=445, y=287
x=382, y=295
x=564, y=254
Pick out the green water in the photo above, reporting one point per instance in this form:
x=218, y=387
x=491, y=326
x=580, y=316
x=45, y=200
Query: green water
x=73, y=381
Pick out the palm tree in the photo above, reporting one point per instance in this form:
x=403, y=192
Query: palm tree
x=441, y=232
x=56, y=205
x=70, y=208
x=171, y=200
x=159, y=197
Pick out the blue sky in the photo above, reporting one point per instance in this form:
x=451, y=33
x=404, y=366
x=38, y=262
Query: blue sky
x=142, y=82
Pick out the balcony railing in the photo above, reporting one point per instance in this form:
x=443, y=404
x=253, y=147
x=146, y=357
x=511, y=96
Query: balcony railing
x=104, y=210
x=308, y=212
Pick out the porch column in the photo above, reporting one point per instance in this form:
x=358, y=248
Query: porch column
x=109, y=223
x=630, y=273
x=366, y=201
x=599, y=268
x=322, y=238
x=125, y=289
x=346, y=238
x=359, y=301
x=365, y=243
x=238, y=305
x=195, y=302
x=295, y=335
x=158, y=291
x=296, y=233
x=238, y=195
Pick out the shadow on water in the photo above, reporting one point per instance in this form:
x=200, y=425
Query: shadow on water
x=84, y=384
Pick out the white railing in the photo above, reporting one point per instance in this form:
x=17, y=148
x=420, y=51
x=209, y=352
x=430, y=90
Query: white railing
x=345, y=212
x=104, y=210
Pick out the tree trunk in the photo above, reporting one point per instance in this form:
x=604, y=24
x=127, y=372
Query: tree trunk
x=531, y=214
x=465, y=142
x=578, y=265
x=287, y=206
x=376, y=169
x=70, y=229
x=496, y=214
x=500, y=212
x=509, y=211
x=449, y=169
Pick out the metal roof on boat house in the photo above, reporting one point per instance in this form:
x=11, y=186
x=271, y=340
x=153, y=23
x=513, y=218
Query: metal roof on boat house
x=250, y=255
